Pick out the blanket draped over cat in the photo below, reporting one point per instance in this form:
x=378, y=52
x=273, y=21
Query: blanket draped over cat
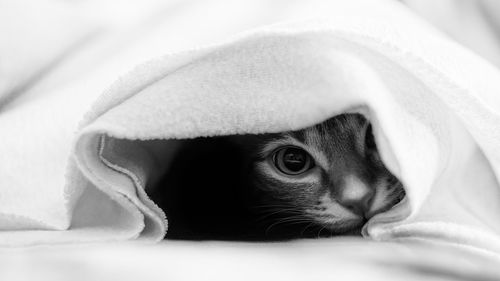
x=434, y=106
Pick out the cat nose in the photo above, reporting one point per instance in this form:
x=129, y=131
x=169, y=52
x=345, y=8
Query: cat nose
x=355, y=195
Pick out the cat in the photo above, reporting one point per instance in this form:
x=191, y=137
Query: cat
x=329, y=175
x=323, y=180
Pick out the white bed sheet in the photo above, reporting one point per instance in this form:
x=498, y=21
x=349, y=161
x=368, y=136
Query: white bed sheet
x=313, y=259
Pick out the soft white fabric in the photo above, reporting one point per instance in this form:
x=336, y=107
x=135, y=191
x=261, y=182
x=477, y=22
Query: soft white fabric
x=434, y=106
x=314, y=259
x=82, y=47
x=473, y=23
x=36, y=40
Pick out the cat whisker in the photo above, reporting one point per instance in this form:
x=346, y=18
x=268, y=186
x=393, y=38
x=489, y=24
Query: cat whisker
x=291, y=210
x=272, y=205
x=319, y=232
x=289, y=220
x=305, y=228
x=294, y=218
x=279, y=212
x=321, y=214
x=279, y=208
x=266, y=220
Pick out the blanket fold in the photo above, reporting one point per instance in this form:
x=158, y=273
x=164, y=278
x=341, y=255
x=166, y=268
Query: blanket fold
x=434, y=106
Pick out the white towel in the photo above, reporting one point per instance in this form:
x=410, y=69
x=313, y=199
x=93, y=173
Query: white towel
x=434, y=106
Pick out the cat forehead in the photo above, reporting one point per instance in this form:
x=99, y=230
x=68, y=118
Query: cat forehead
x=337, y=132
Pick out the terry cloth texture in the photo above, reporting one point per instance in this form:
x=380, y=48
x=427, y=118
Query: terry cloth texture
x=434, y=106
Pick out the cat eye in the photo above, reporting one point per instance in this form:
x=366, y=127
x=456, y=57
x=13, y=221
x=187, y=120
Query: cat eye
x=291, y=160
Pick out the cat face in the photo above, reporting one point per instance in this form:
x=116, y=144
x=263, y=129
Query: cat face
x=330, y=174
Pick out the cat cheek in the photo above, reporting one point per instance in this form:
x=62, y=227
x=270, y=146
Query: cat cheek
x=374, y=157
x=380, y=198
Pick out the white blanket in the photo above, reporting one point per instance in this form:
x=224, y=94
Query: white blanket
x=434, y=105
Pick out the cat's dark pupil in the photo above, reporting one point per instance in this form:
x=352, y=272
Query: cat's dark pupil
x=294, y=159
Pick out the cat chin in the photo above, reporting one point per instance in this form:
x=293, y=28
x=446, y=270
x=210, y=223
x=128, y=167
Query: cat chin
x=347, y=227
